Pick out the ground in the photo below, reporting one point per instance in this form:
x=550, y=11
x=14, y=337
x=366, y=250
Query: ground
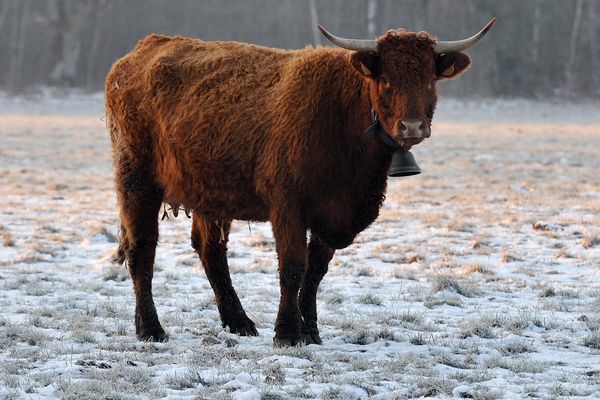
x=479, y=279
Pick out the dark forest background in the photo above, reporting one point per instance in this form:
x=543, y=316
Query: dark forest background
x=538, y=49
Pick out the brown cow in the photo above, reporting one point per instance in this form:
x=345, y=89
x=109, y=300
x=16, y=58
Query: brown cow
x=236, y=131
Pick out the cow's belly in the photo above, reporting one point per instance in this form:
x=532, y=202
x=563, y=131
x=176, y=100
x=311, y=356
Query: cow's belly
x=214, y=193
x=221, y=204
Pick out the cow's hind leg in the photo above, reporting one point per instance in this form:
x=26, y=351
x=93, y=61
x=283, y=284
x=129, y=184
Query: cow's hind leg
x=319, y=255
x=139, y=201
x=123, y=248
x=209, y=239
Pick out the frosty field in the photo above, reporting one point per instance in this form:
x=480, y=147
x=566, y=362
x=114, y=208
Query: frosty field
x=480, y=279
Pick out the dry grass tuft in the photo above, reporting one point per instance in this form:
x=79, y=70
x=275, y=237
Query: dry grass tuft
x=519, y=366
x=546, y=227
x=370, y=299
x=364, y=271
x=591, y=241
x=401, y=273
x=508, y=257
x=475, y=268
x=417, y=340
x=478, y=244
x=592, y=341
x=446, y=282
x=451, y=300
x=459, y=225
x=432, y=218
x=7, y=238
x=481, y=328
x=262, y=242
x=186, y=380
x=548, y=292
x=116, y=273
x=516, y=347
x=334, y=298
x=431, y=387
x=274, y=374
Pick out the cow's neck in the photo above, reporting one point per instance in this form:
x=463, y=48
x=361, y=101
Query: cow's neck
x=373, y=157
x=356, y=174
x=369, y=139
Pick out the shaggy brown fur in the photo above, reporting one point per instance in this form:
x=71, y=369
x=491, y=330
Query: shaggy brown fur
x=237, y=131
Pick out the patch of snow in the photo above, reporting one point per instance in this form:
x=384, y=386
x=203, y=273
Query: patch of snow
x=452, y=291
x=251, y=394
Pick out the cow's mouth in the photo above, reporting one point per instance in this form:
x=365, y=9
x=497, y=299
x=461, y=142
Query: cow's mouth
x=409, y=142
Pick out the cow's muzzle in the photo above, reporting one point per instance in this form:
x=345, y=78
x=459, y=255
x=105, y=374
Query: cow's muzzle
x=413, y=129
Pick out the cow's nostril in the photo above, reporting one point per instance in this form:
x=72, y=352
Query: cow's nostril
x=413, y=126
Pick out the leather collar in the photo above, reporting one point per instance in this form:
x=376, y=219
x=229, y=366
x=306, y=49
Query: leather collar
x=376, y=129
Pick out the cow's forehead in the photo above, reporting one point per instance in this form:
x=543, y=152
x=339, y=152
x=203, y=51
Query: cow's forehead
x=402, y=37
x=407, y=56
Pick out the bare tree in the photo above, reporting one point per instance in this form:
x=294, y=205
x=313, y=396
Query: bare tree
x=68, y=20
x=372, y=28
x=97, y=7
x=3, y=13
x=535, y=39
x=592, y=30
x=18, y=35
x=314, y=21
x=73, y=42
x=570, y=66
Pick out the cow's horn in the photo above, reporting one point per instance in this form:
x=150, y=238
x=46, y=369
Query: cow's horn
x=460, y=45
x=350, y=44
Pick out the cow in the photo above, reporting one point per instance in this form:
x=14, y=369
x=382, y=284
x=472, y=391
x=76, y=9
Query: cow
x=228, y=130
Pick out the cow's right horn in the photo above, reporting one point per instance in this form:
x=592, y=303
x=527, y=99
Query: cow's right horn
x=350, y=44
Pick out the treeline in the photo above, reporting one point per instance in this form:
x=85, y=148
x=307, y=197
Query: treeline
x=539, y=48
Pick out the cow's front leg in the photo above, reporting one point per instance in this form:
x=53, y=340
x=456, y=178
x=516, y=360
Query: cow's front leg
x=289, y=230
x=319, y=255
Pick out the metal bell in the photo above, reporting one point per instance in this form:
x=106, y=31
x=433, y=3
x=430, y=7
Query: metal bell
x=403, y=164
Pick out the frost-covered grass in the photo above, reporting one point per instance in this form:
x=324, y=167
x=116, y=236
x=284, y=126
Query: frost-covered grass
x=479, y=280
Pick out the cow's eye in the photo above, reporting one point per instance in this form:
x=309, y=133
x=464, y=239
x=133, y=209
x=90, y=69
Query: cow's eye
x=384, y=81
x=432, y=83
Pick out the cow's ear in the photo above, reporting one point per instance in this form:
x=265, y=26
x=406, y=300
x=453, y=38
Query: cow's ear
x=450, y=65
x=365, y=62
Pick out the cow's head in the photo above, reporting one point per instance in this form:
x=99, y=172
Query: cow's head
x=403, y=68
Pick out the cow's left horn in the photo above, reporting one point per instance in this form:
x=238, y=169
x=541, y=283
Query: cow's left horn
x=460, y=45
x=350, y=44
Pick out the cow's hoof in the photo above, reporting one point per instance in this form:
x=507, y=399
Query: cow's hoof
x=244, y=327
x=154, y=334
x=286, y=342
x=310, y=333
x=311, y=338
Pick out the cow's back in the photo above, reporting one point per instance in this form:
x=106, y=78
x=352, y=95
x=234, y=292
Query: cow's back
x=202, y=107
